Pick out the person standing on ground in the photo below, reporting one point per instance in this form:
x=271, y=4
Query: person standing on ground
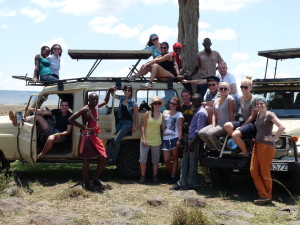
x=172, y=137
x=151, y=138
x=206, y=63
x=90, y=145
x=264, y=150
x=188, y=175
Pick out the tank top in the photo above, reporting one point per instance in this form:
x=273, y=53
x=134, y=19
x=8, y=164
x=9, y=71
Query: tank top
x=153, y=137
x=168, y=65
x=223, y=110
x=44, y=67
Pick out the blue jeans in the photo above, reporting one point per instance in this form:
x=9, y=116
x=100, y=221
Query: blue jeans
x=123, y=127
x=48, y=77
x=201, y=89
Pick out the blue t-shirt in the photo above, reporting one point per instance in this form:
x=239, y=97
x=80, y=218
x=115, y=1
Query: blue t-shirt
x=155, y=52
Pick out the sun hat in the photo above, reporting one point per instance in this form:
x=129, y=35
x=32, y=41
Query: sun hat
x=156, y=99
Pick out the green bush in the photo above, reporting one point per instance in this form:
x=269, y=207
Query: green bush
x=4, y=181
x=190, y=217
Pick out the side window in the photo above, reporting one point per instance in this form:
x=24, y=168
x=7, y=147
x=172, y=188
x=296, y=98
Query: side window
x=105, y=110
x=147, y=95
x=50, y=102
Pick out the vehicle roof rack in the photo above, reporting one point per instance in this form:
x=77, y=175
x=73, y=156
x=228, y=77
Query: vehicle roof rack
x=279, y=54
x=276, y=82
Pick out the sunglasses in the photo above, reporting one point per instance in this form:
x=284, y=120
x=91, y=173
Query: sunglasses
x=56, y=48
x=163, y=47
x=154, y=39
x=211, y=85
x=177, y=48
x=172, y=103
x=245, y=87
x=156, y=103
x=223, y=88
x=128, y=90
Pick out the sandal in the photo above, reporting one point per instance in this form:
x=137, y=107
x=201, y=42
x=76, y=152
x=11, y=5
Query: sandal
x=98, y=183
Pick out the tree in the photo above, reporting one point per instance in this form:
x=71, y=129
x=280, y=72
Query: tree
x=188, y=31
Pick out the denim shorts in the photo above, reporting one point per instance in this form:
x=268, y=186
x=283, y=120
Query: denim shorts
x=247, y=131
x=168, y=145
x=48, y=77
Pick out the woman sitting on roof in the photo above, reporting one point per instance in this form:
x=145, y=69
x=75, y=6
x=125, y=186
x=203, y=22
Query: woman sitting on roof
x=54, y=59
x=42, y=66
x=161, y=67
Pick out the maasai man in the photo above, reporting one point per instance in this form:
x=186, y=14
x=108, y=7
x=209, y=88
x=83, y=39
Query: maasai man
x=90, y=145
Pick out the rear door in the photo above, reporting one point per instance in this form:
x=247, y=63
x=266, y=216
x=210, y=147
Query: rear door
x=27, y=137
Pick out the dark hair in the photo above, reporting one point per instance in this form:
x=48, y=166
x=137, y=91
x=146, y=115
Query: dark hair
x=165, y=43
x=64, y=100
x=53, y=48
x=197, y=95
x=44, y=47
x=213, y=78
x=185, y=91
x=128, y=86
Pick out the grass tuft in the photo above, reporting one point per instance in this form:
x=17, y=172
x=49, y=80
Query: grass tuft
x=194, y=216
x=5, y=179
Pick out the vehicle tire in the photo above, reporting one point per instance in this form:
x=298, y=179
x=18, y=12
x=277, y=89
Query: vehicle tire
x=293, y=183
x=128, y=164
x=220, y=177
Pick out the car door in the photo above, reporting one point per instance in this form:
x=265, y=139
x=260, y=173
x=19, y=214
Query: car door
x=27, y=137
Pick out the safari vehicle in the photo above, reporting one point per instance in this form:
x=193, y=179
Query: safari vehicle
x=24, y=142
x=283, y=96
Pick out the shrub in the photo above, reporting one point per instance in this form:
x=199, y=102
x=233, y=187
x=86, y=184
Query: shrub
x=190, y=217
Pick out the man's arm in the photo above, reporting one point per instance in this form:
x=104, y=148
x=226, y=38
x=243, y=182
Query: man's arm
x=106, y=100
x=72, y=119
x=66, y=132
x=36, y=68
x=39, y=111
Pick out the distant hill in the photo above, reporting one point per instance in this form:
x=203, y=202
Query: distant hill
x=12, y=97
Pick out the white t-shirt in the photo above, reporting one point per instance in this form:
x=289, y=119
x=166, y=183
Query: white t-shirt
x=229, y=78
x=54, y=64
x=171, y=125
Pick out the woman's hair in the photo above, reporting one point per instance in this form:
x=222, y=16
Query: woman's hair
x=178, y=103
x=150, y=42
x=248, y=80
x=53, y=46
x=128, y=86
x=44, y=47
x=165, y=43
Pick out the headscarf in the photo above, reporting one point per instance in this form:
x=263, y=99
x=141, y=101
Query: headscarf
x=176, y=45
x=261, y=98
x=151, y=36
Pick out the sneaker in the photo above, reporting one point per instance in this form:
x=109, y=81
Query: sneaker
x=262, y=201
x=155, y=179
x=131, y=78
x=111, y=162
x=147, y=85
x=13, y=118
x=142, y=180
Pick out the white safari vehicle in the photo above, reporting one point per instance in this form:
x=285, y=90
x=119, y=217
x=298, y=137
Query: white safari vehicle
x=24, y=142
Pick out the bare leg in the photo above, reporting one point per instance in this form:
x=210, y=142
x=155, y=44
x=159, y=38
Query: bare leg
x=174, y=161
x=155, y=168
x=167, y=160
x=236, y=135
x=100, y=167
x=49, y=144
x=143, y=71
x=85, y=172
x=158, y=71
x=143, y=169
x=228, y=127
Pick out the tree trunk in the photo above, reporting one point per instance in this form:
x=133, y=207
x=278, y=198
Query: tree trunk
x=188, y=31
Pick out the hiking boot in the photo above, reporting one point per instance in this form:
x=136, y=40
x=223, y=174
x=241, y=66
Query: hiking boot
x=147, y=85
x=155, y=179
x=131, y=78
x=262, y=201
x=13, y=118
x=142, y=180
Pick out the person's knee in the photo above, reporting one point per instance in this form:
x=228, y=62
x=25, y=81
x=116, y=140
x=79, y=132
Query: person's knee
x=228, y=127
x=236, y=134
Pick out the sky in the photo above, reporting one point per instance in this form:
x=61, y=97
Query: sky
x=238, y=29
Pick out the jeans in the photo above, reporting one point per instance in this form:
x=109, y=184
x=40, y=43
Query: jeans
x=188, y=173
x=201, y=89
x=123, y=127
x=48, y=77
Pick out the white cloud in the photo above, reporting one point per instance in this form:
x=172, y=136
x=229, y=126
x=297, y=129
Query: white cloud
x=108, y=25
x=8, y=13
x=164, y=33
x=4, y=26
x=225, y=5
x=35, y=14
x=253, y=69
x=48, y=3
x=203, y=25
x=240, y=56
x=220, y=34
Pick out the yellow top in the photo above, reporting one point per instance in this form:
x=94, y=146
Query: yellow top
x=153, y=136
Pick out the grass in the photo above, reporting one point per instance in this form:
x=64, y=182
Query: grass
x=47, y=189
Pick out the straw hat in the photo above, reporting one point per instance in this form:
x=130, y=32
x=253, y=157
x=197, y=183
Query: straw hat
x=157, y=99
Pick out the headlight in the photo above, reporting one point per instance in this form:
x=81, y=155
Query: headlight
x=280, y=143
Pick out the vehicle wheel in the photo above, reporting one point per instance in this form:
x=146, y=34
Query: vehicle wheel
x=219, y=176
x=293, y=183
x=128, y=163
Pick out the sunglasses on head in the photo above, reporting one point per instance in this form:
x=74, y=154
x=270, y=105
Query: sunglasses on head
x=163, y=47
x=128, y=90
x=172, y=103
x=56, y=48
x=245, y=87
x=154, y=39
x=156, y=103
x=211, y=85
x=223, y=88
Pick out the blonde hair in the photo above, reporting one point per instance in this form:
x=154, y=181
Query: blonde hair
x=248, y=80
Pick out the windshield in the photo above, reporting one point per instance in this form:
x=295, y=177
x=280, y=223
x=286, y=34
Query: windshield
x=283, y=103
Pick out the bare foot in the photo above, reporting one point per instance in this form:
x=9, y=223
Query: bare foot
x=13, y=118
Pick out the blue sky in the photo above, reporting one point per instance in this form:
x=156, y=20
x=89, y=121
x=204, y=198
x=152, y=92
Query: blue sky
x=238, y=30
